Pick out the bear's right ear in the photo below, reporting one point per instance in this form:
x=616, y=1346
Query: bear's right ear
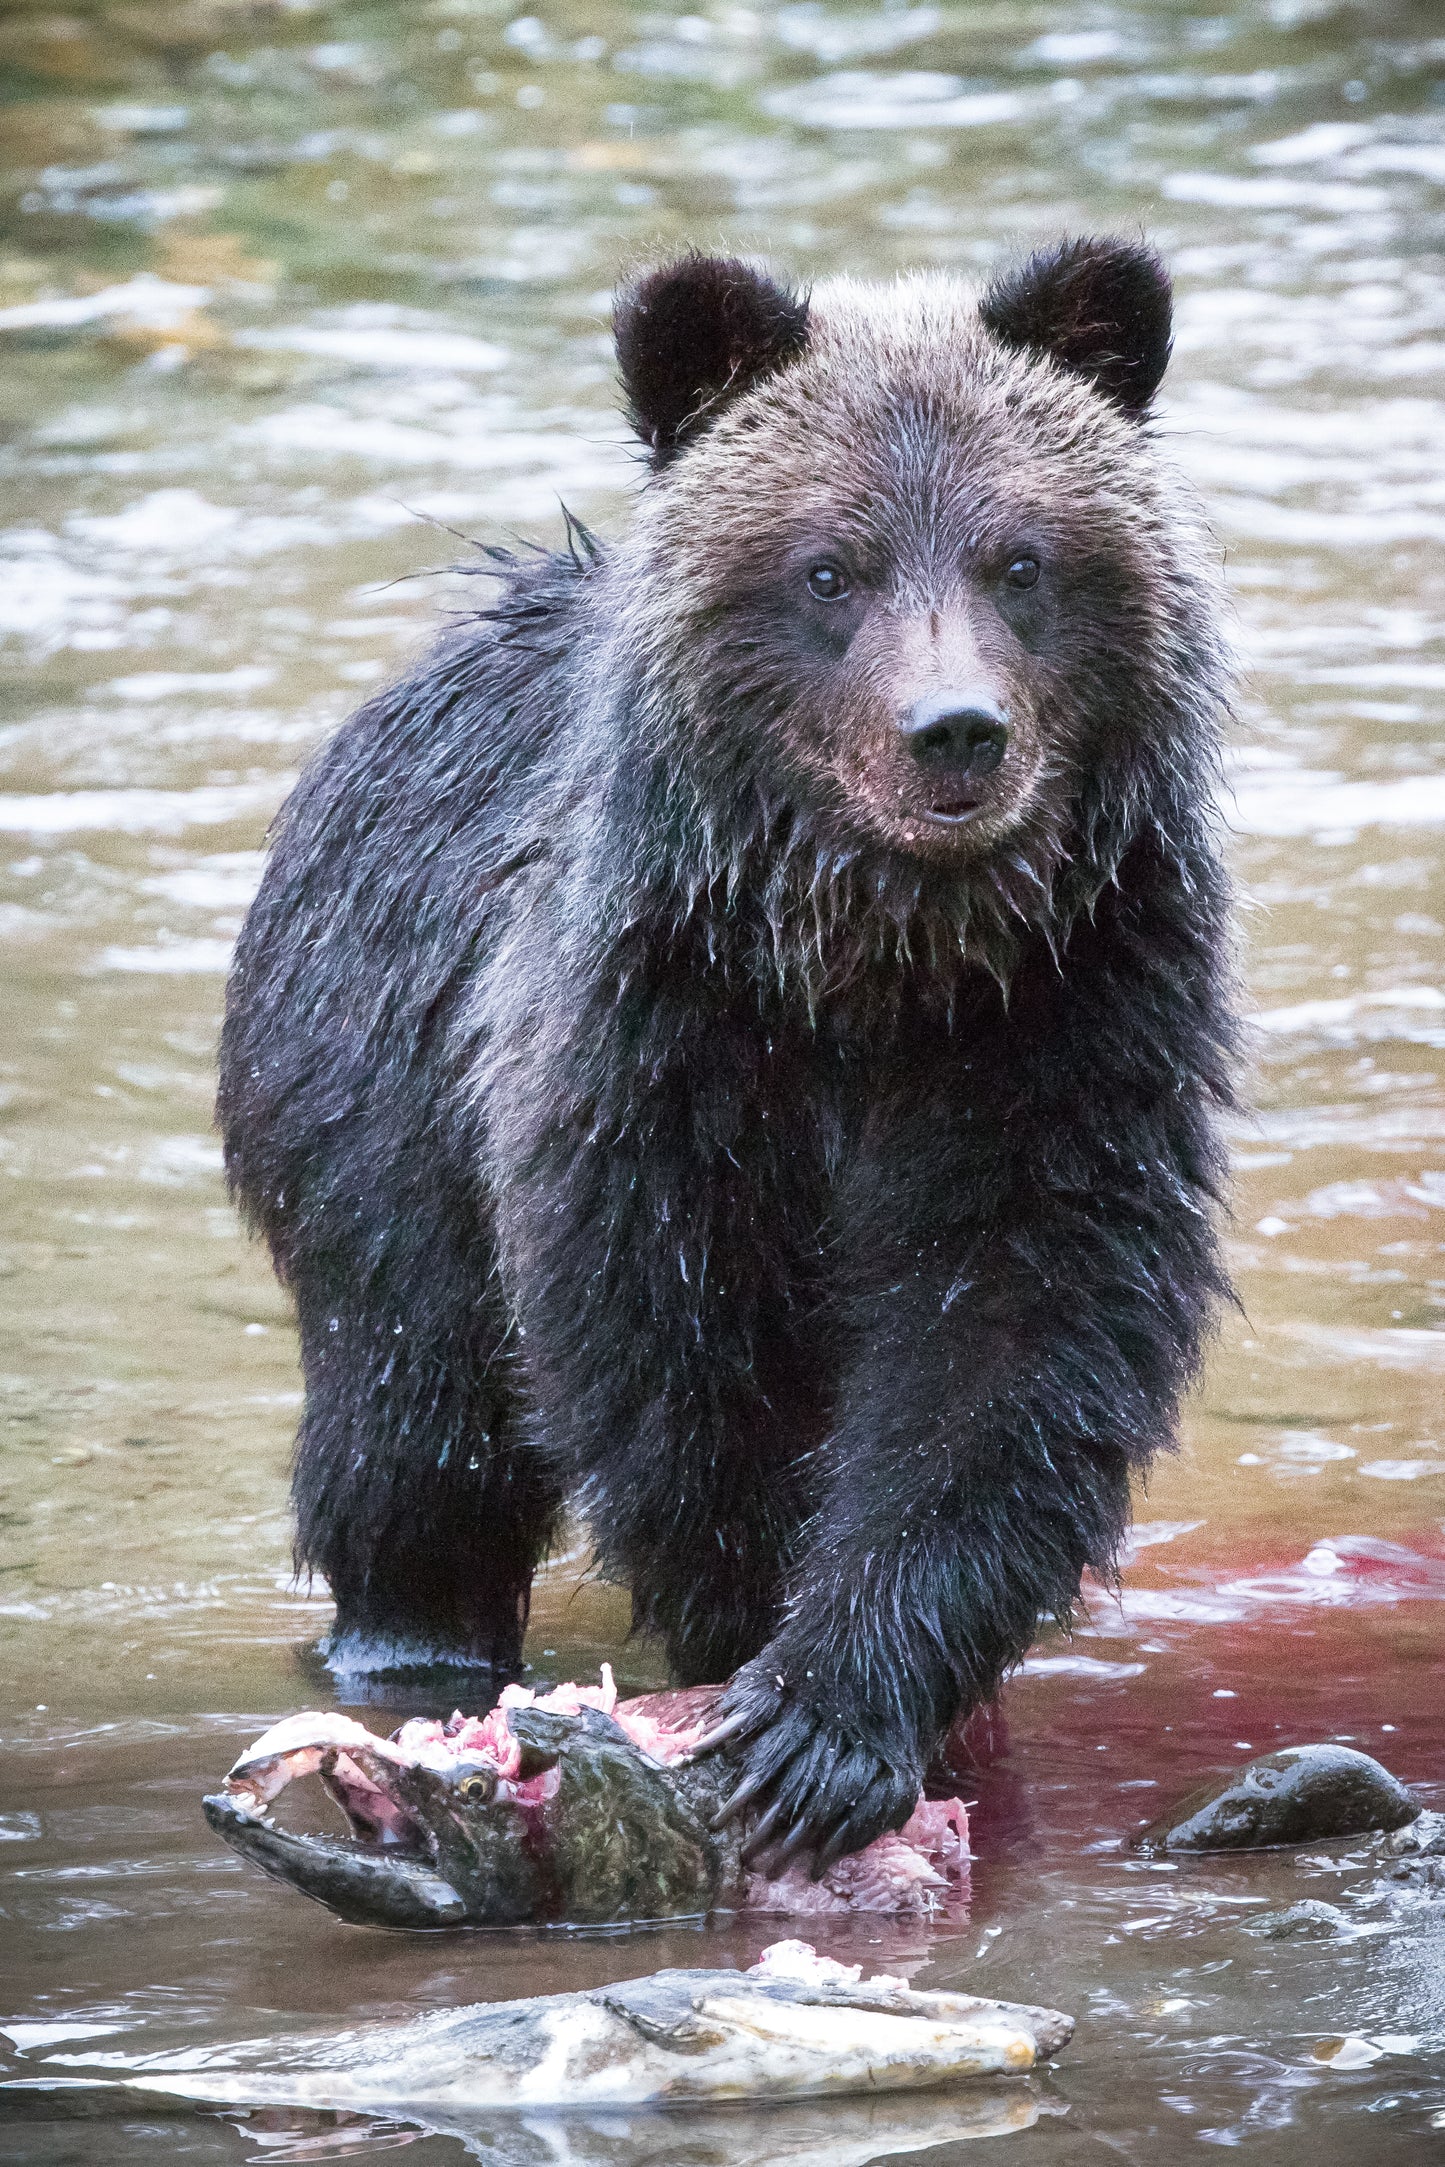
x=692, y=336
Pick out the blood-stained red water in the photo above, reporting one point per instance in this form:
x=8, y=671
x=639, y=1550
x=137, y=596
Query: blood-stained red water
x=1179, y=1683
x=281, y=289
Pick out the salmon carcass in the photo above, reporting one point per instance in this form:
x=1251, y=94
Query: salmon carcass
x=568, y=1808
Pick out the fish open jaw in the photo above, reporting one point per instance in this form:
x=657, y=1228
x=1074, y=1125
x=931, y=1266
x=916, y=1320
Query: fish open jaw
x=389, y=1869
x=360, y=1772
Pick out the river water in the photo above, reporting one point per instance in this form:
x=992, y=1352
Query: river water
x=286, y=292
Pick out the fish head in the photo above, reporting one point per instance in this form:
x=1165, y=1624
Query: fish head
x=533, y=1816
x=435, y=1836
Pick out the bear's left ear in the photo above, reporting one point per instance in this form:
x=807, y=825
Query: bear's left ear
x=1100, y=308
x=692, y=336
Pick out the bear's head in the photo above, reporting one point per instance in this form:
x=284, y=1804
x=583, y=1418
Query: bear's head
x=910, y=563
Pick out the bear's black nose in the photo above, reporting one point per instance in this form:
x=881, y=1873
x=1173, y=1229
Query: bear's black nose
x=957, y=734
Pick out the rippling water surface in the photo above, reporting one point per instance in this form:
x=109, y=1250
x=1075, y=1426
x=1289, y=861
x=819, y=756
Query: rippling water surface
x=286, y=292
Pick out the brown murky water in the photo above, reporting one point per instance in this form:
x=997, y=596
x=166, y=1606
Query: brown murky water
x=280, y=283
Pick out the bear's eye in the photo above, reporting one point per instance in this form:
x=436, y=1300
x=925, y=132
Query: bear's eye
x=1023, y=572
x=827, y=582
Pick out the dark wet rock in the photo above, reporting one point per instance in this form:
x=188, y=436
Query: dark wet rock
x=1301, y=1794
x=1309, y=1920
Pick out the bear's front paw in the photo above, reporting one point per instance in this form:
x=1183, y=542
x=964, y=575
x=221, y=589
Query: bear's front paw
x=818, y=1791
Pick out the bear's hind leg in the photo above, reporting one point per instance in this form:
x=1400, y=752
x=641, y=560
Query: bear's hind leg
x=414, y=1493
x=704, y=1530
x=717, y=1598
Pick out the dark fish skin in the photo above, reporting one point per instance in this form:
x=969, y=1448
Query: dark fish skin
x=627, y=1838
x=621, y=1838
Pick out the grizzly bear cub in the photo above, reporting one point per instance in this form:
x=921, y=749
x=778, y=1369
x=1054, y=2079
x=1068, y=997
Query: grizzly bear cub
x=735, y=1039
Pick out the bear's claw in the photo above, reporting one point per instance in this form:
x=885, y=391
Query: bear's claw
x=818, y=1792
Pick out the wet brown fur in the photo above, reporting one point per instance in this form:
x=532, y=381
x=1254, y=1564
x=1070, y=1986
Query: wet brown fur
x=650, y=1106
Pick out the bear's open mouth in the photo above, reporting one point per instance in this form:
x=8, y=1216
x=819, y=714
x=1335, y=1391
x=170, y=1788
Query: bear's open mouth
x=952, y=812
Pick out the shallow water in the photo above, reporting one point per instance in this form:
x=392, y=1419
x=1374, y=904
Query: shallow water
x=287, y=290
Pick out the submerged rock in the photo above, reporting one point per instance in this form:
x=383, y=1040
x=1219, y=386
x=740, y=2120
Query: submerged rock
x=1309, y=1920
x=1417, y=1858
x=1302, y=1794
x=1422, y=1837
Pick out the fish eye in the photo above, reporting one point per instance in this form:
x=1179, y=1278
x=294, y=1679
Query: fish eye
x=1023, y=572
x=827, y=582
x=477, y=1788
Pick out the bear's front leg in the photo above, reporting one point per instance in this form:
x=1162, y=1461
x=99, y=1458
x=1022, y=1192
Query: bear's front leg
x=906, y=1617
x=1032, y=1320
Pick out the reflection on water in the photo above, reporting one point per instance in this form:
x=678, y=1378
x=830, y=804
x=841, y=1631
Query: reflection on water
x=289, y=289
